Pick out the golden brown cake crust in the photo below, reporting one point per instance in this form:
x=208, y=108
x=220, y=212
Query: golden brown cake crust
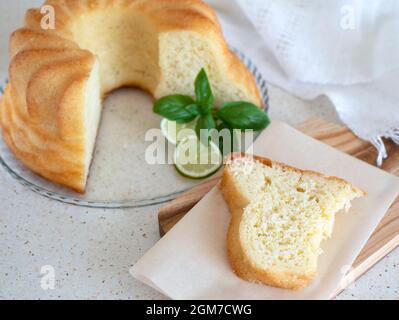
x=239, y=261
x=42, y=123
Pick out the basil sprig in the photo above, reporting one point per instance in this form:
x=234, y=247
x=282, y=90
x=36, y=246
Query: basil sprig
x=232, y=115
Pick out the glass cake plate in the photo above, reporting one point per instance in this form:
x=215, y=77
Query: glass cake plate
x=119, y=176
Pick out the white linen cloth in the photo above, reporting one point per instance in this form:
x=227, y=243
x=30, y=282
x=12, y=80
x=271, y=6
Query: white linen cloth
x=347, y=50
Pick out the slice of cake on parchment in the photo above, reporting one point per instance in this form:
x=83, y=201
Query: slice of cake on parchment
x=280, y=216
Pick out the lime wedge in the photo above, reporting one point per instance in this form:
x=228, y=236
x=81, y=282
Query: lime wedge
x=175, y=132
x=196, y=160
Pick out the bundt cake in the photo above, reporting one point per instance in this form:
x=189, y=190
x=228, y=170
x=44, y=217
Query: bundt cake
x=50, y=110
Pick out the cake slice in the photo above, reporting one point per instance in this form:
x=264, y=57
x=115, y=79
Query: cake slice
x=280, y=216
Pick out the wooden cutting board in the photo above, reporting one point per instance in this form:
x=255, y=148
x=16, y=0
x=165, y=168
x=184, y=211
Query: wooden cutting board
x=384, y=239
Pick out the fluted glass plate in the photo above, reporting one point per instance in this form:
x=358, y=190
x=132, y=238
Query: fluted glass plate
x=119, y=176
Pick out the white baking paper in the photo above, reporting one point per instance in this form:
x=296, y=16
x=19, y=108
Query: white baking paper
x=190, y=262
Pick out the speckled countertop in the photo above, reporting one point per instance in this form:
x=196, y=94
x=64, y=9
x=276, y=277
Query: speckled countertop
x=91, y=250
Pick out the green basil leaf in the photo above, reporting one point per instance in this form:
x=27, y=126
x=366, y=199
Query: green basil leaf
x=205, y=122
x=194, y=109
x=243, y=115
x=203, y=92
x=174, y=108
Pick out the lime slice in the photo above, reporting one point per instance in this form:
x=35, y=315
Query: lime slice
x=196, y=160
x=175, y=132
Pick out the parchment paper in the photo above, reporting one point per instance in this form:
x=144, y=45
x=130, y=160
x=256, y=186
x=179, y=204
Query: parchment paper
x=190, y=262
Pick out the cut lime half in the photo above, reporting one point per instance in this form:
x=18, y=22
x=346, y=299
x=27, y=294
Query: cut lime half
x=175, y=132
x=196, y=160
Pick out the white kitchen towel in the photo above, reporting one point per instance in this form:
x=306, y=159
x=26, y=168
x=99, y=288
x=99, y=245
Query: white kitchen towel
x=347, y=50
